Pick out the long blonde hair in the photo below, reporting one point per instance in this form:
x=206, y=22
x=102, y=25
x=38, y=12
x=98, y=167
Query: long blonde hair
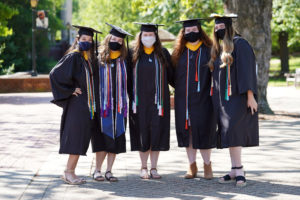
x=225, y=50
x=104, y=54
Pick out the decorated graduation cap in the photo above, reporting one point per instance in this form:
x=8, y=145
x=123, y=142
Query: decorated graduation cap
x=84, y=30
x=191, y=22
x=117, y=31
x=149, y=27
x=225, y=18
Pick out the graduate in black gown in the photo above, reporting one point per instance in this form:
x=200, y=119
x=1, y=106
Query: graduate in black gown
x=73, y=82
x=109, y=140
x=194, y=116
x=149, y=114
x=234, y=92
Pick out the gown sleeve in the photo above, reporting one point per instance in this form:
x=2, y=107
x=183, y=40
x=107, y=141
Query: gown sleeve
x=129, y=73
x=246, y=67
x=169, y=67
x=61, y=79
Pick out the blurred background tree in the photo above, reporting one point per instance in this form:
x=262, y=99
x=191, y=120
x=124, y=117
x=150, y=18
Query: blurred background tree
x=16, y=55
x=285, y=30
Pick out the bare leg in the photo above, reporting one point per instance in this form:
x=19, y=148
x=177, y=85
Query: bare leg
x=191, y=152
x=205, y=153
x=236, y=159
x=100, y=156
x=154, y=158
x=144, y=158
x=69, y=174
x=110, y=161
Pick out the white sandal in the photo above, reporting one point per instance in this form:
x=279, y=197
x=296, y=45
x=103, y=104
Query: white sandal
x=144, y=173
x=76, y=181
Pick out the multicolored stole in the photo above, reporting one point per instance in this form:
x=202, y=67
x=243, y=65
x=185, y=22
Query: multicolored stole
x=159, y=85
x=228, y=91
x=89, y=84
x=197, y=79
x=110, y=126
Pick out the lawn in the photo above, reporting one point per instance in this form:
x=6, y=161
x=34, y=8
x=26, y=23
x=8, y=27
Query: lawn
x=274, y=79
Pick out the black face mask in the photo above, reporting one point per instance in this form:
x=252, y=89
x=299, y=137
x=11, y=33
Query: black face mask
x=192, y=36
x=115, y=46
x=220, y=34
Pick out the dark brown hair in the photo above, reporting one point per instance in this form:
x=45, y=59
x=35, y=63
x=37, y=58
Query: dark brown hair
x=75, y=46
x=181, y=41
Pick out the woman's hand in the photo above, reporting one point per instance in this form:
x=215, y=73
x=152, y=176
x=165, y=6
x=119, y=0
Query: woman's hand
x=77, y=92
x=251, y=102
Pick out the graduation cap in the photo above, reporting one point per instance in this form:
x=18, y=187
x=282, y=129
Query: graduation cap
x=191, y=22
x=117, y=31
x=149, y=27
x=225, y=18
x=84, y=30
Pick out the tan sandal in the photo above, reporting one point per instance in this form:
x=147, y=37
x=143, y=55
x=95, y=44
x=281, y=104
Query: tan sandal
x=192, y=172
x=154, y=174
x=144, y=173
x=76, y=181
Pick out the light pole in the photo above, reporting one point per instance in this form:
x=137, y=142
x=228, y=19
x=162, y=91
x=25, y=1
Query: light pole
x=33, y=4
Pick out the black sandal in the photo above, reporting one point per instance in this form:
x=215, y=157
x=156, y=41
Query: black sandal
x=227, y=178
x=111, y=178
x=240, y=178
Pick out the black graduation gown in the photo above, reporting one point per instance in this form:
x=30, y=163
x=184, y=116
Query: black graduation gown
x=236, y=125
x=100, y=141
x=148, y=130
x=202, y=117
x=76, y=123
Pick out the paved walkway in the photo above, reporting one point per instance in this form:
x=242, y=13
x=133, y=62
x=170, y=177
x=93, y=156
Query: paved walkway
x=30, y=166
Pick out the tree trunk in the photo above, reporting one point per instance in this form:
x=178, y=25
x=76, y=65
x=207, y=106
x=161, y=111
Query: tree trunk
x=253, y=23
x=284, y=51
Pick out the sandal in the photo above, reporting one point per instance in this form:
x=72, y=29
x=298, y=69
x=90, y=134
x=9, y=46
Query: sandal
x=240, y=180
x=154, y=174
x=76, y=181
x=97, y=176
x=110, y=178
x=144, y=173
x=227, y=178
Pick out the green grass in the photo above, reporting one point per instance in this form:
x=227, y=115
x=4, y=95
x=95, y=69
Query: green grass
x=274, y=78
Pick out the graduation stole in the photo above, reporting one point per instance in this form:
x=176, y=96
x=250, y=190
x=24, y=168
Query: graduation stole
x=159, y=85
x=109, y=126
x=228, y=91
x=89, y=84
x=197, y=79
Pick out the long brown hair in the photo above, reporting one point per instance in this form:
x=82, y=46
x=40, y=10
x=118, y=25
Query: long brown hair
x=181, y=41
x=76, y=46
x=104, y=55
x=225, y=50
x=139, y=49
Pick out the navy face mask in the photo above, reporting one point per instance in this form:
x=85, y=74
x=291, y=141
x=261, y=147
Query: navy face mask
x=85, y=46
x=114, y=46
x=192, y=36
x=220, y=34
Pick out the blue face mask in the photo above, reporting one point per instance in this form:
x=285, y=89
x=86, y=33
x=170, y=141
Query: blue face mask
x=85, y=46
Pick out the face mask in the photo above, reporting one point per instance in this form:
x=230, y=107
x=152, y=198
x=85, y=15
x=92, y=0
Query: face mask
x=220, y=34
x=192, y=36
x=115, y=46
x=148, y=41
x=85, y=46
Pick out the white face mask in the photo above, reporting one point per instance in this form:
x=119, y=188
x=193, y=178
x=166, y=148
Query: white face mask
x=148, y=41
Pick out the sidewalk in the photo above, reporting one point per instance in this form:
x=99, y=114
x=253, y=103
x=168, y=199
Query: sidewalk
x=30, y=166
